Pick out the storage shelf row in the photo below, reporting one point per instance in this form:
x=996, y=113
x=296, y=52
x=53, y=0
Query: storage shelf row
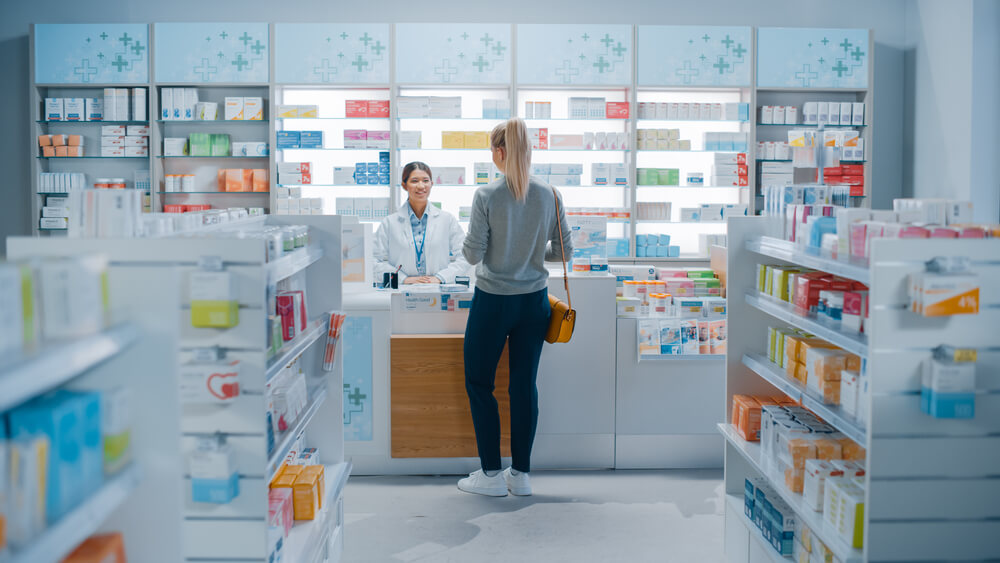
x=295, y=347
x=64, y=535
x=854, y=343
x=751, y=452
x=23, y=376
x=307, y=537
x=852, y=268
x=832, y=414
x=283, y=443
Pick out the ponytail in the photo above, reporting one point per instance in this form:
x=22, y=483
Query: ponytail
x=512, y=136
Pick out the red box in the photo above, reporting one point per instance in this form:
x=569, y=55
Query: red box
x=832, y=171
x=357, y=108
x=852, y=169
x=807, y=288
x=378, y=108
x=742, y=170
x=199, y=207
x=857, y=190
x=303, y=319
x=741, y=158
x=286, y=310
x=173, y=208
x=854, y=180
x=539, y=138
x=616, y=110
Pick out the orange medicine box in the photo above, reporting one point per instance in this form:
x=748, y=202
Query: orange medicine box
x=851, y=450
x=74, y=140
x=58, y=140
x=284, y=481
x=305, y=496
x=746, y=417
x=260, y=180
x=807, y=344
x=321, y=472
x=62, y=150
x=104, y=548
x=45, y=140
x=48, y=151
x=828, y=449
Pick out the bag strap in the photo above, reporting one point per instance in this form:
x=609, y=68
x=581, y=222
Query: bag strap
x=562, y=250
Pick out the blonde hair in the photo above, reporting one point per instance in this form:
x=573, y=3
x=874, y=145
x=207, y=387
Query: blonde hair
x=512, y=136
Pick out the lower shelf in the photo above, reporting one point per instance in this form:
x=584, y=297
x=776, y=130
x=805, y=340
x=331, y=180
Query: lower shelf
x=813, y=519
x=61, y=538
x=736, y=504
x=307, y=538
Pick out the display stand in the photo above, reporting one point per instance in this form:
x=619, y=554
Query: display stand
x=925, y=476
x=167, y=431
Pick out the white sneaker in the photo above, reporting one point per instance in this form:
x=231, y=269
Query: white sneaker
x=518, y=484
x=479, y=483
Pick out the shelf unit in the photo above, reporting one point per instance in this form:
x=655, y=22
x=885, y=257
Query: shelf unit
x=925, y=476
x=205, y=168
x=92, y=165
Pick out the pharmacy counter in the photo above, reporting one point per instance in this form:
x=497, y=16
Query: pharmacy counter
x=406, y=413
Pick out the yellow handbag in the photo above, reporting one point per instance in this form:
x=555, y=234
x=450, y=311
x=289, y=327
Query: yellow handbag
x=563, y=319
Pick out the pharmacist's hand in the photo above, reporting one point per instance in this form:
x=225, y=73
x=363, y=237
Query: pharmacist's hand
x=430, y=279
x=411, y=280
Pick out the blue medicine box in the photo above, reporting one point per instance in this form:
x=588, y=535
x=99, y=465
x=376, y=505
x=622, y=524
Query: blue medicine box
x=383, y=178
x=216, y=491
x=310, y=139
x=640, y=252
x=383, y=157
x=664, y=240
x=383, y=168
x=288, y=139
x=373, y=179
x=360, y=179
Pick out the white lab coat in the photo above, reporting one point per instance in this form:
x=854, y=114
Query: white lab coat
x=443, y=241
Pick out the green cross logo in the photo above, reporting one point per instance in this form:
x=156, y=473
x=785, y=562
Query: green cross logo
x=619, y=49
x=119, y=63
x=325, y=71
x=585, y=37
x=480, y=63
x=343, y=35
x=223, y=35
x=486, y=39
x=739, y=50
x=258, y=47
x=239, y=62
x=138, y=48
x=840, y=68
x=499, y=48
x=601, y=65
x=687, y=72
x=728, y=42
x=356, y=397
x=825, y=41
x=85, y=70
x=378, y=47
x=706, y=38
x=607, y=40
x=360, y=62
x=846, y=45
x=103, y=36
x=125, y=39
x=365, y=38
x=206, y=70
x=464, y=35
x=245, y=38
x=857, y=54
x=806, y=75
x=722, y=65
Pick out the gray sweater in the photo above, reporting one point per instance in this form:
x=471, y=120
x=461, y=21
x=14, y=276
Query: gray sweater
x=510, y=241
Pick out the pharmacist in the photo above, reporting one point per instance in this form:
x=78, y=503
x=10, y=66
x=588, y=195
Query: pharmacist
x=419, y=240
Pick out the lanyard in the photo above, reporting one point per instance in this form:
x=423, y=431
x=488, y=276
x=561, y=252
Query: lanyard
x=420, y=250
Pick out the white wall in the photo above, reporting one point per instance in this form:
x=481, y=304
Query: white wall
x=884, y=16
x=953, y=84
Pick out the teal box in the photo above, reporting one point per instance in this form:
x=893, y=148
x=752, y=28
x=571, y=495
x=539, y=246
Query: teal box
x=640, y=252
x=744, y=112
x=641, y=240
x=673, y=252
x=661, y=251
x=947, y=405
x=310, y=139
x=216, y=491
x=288, y=139
x=88, y=405
x=664, y=240
x=383, y=157
x=59, y=420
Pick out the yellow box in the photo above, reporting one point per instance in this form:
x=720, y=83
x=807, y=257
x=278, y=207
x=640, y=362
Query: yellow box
x=215, y=314
x=288, y=111
x=320, y=471
x=308, y=111
x=452, y=139
x=477, y=140
x=283, y=481
x=305, y=496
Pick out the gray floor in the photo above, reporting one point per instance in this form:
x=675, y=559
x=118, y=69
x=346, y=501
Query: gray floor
x=574, y=516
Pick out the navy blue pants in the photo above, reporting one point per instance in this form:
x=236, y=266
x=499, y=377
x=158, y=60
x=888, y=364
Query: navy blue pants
x=521, y=322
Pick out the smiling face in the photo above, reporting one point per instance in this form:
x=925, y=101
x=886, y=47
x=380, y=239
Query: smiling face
x=418, y=185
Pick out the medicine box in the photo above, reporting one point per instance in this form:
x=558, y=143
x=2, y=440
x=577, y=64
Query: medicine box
x=233, y=109
x=253, y=108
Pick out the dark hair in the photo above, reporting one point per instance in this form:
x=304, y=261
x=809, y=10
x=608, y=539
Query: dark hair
x=414, y=166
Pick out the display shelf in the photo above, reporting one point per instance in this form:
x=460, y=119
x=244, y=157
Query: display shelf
x=328, y=150
x=186, y=156
x=84, y=157
x=211, y=121
x=342, y=185
x=62, y=537
x=657, y=260
x=680, y=357
x=736, y=505
x=293, y=263
x=805, y=126
x=211, y=193
x=46, y=122
x=295, y=347
x=335, y=118
x=686, y=151
x=751, y=452
x=445, y=118
x=613, y=119
x=717, y=223
x=23, y=376
x=307, y=538
x=854, y=161
x=283, y=443
x=773, y=160
x=50, y=229
x=694, y=187
x=832, y=414
x=654, y=120
x=852, y=268
x=853, y=343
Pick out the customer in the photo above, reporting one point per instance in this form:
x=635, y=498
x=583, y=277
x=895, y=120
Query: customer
x=512, y=233
x=420, y=241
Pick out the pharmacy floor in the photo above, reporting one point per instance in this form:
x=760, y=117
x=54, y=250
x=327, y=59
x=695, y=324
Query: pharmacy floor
x=574, y=516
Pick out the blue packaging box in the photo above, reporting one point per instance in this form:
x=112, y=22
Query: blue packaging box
x=310, y=139
x=361, y=167
x=215, y=491
x=383, y=157
x=744, y=112
x=664, y=240
x=640, y=251
x=59, y=420
x=288, y=139
x=661, y=252
x=947, y=405
x=88, y=405
x=360, y=179
x=373, y=167
x=372, y=179
x=383, y=178
x=383, y=168
x=641, y=240
x=673, y=251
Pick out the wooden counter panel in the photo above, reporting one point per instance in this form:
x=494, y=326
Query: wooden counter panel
x=430, y=409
